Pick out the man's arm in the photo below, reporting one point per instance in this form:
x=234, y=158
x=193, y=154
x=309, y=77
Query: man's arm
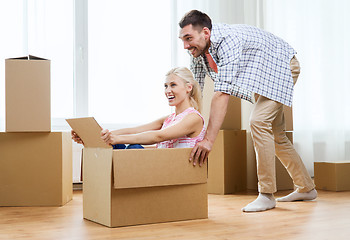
x=218, y=110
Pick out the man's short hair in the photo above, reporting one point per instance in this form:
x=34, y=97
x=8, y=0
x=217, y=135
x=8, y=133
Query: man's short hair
x=197, y=18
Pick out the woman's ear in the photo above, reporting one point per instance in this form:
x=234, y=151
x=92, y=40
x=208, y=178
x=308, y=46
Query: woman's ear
x=189, y=87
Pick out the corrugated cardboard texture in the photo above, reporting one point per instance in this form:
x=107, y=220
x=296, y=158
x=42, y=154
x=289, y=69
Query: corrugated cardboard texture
x=36, y=169
x=97, y=185
x=227, y=169
x=67, y=168
x=159, y=204
x=89, y=131
x=148, y=168
x=283, y=180
x=131, y=206
x=332, y=176
x=216, y=166
x=28, y=106
x=232, y=119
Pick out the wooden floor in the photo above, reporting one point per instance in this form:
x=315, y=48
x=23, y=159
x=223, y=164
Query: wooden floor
x=326, y=218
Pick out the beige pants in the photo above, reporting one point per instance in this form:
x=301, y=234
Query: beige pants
x=268, y=132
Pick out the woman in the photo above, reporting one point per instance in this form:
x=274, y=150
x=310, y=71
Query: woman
x=182, y=129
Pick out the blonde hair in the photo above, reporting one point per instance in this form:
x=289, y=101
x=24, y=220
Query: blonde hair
x=186, y=75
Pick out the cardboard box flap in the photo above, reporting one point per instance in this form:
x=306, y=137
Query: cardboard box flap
x=89, y=131
x=29, y=57
x=134, y=168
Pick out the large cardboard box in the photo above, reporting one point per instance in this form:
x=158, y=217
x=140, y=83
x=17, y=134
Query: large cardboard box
x=27, y=81
x=227, y=163
x=232, y=119
x=332, y=176
x=138, y=186
x=35, y=169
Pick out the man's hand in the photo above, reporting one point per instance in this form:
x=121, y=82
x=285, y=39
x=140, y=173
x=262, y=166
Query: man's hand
x=218, y=109
x=200, y=152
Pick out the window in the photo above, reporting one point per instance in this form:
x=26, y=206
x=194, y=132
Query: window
x=129, y=52
x=129, y=55
x=44, y=29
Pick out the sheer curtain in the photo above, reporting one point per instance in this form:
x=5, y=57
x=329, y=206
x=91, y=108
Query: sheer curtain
x=11, y=43
x=319, y=31
x=129, y=55
x=44, y=29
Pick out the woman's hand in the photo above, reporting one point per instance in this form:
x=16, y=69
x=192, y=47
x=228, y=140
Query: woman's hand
x=76, y=138
x=108, y=137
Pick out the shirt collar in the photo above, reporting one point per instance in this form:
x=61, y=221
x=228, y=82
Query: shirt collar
x=214, y=40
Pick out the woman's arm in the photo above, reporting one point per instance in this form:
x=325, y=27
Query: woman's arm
x=191, y=124
x=155, y=125
x=76, y=137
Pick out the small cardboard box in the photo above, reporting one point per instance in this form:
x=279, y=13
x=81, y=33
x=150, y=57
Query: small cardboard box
x=227, y=164
x=35, y=169
x=232, y=119
x=332, y=176
x=27, y=81
x=138, y=186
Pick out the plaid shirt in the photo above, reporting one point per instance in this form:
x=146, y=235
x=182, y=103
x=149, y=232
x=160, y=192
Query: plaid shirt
x=249, y=60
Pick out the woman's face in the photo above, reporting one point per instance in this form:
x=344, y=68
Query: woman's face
x=176, y=90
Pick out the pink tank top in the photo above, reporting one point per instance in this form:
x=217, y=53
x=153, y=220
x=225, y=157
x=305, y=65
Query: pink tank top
x=182, y=142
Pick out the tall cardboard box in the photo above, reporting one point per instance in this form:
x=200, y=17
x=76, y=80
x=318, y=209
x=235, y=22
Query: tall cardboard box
x=35, y=169
x=27, y=86
x=332, y=176
x=138, y=186
x=227, y=163
x=232, y=120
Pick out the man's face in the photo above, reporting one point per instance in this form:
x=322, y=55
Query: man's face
x=195, y=40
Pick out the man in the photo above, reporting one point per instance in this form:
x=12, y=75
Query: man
x=249, y=63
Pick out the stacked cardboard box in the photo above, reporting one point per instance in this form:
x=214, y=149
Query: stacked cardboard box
x=27, y=95
x=138, y=186
x=227, y=162
x=36, y=164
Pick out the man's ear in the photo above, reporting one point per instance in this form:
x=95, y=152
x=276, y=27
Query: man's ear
x=206, y=32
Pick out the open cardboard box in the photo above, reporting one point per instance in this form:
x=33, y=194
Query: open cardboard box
x=138, y=186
